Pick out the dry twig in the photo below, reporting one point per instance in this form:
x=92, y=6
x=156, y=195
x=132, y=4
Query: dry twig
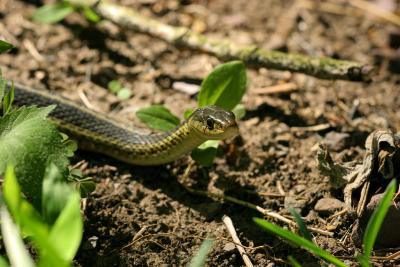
x=231, y=229
x=323, y=67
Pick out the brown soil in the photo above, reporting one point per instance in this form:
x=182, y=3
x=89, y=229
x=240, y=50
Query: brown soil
x=76, y=56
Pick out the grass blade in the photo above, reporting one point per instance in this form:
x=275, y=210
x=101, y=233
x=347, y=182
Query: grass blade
x=300, y=241
x=294, y=262
x=376, y=220
x=201, y=257
x=300, y=223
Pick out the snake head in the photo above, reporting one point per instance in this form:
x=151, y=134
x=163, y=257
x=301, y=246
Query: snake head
x=214, y=123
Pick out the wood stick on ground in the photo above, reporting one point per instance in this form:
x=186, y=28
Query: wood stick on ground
x=376, y=11
x=231, y=229
x=263, y=211
x=321, y=67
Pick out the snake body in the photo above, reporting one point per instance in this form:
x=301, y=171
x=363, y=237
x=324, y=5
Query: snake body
x=98, y=133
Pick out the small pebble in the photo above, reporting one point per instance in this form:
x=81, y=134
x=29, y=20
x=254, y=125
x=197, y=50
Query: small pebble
x=328, y=205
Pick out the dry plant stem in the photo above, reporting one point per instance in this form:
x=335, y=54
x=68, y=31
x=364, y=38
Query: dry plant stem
x=323, y=67
x=376, y=10
x=231, y=229
x=265, y=212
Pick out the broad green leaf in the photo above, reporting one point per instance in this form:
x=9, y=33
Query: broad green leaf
x=90, y=14
x=376, y=220
x=55, y=194
x=158, y=117
x=205, y=153
x=29, y=142
x=4, y=46
x=300, y=223
x=300, y=241
x=66, y=234
x=16, y=251
x=201, y=257
x=52, y=13
x=224, y=86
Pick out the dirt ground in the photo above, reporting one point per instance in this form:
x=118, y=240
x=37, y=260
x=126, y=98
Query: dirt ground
x=277, y=146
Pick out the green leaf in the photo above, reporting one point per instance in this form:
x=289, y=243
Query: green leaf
x=90, y=14
x=55, y=194
x=158, y=117
x=239, y=110
x=66, y=234
x=294, y=262
x=52, y=13
x=205, y=153
x=224, y=86
x=300, y=223
x=29, y=221
x=300, y=241
x=16, y=251
x=11, y=191
x=8, y=100
x=29, y=142
x=187, y=113
x=201, y=257
x=376, y=220
x=114, y=86
x=84, y=185
x=3, y=262
x=124, y=93
x=4, y=46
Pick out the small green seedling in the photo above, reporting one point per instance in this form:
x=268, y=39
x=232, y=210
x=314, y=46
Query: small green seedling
x=56, y=242
x=370, y=234
x=223, y=87
x=118, y=89
x=53, y=13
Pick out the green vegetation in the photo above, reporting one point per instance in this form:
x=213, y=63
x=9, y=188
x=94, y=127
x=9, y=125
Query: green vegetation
x=4, y=46
x=224, y=87
x=201, y=256
x=119, y=90
x=53, y=13
x=370, y=234
x=41, y=208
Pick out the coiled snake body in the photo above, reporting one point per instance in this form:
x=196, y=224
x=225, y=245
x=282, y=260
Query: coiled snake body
x=96, y=132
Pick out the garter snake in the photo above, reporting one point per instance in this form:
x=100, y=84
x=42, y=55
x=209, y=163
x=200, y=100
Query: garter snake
x=98, y=133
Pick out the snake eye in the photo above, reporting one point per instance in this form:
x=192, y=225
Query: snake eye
x=210, y=123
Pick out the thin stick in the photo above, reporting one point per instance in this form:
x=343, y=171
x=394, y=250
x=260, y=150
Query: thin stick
x=376, y=11
x=265, y=212
x=231, y=230
x=313, y=128
x=276, y=89
x=323, y=67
